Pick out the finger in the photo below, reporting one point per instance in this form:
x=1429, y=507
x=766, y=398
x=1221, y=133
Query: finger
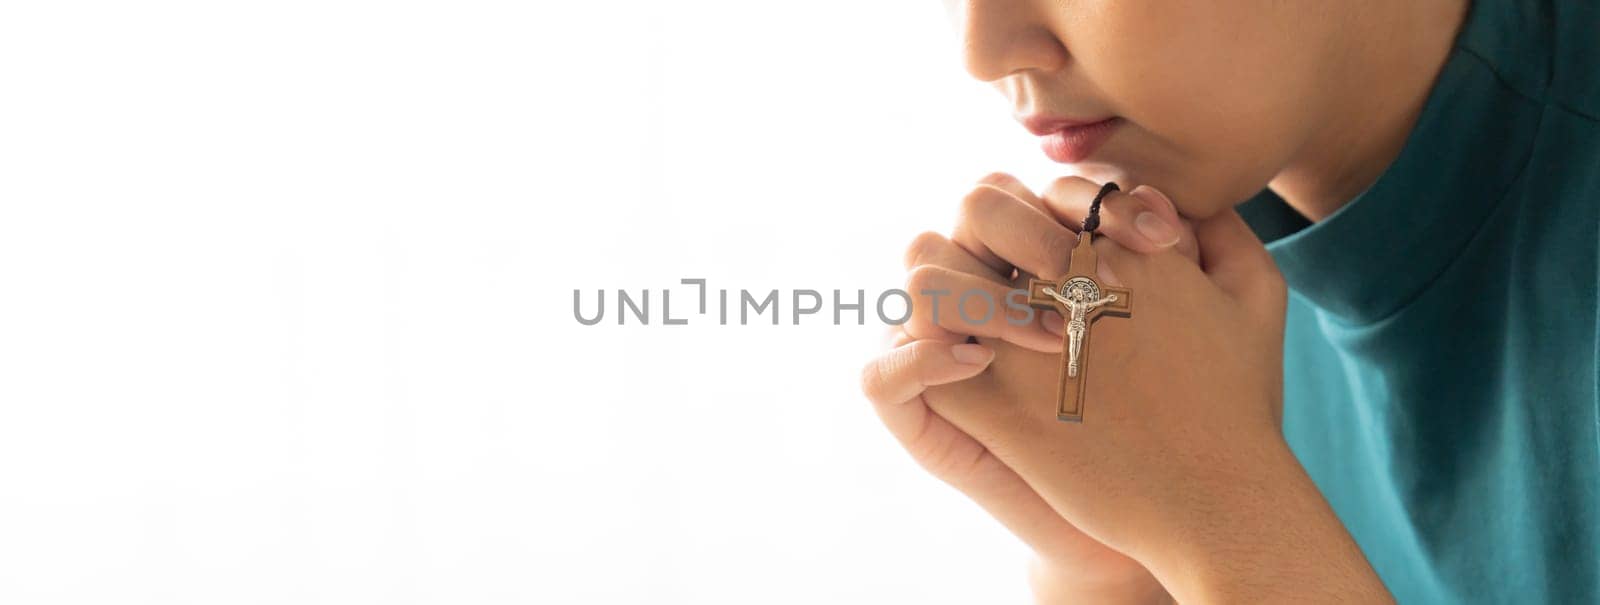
x=931, y=248
x=962, y=234
x=1068, y=199
x=1156, y=201
x=1015, y=187
x=995, y=222
x=1119, y=266
x=1048, y=319
x=892, y=337
x=895, y=381
x=949, y=305
x=1021, y=192
x=904, y=372
x=1237, y=261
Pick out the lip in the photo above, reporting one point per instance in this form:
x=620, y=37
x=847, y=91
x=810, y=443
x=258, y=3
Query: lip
x=1071, y=141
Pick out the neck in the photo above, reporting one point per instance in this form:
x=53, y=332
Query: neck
x=1386, y=73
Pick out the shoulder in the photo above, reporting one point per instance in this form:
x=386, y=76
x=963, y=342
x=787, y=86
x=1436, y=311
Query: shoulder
x=1575, y=61
x=1546, y=50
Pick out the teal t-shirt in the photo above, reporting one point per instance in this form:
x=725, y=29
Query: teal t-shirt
x=1440, y=377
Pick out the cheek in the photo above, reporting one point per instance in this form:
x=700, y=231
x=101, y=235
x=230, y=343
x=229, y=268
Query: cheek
x=1198, y=81
x=1216, y=92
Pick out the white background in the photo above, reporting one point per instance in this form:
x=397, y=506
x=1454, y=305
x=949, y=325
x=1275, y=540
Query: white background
x=286, y=301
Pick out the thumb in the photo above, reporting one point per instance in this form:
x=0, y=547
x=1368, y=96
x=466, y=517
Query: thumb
x=1236, y=260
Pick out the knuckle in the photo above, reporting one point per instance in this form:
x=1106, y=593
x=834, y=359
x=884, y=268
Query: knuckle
x=1072, y=181
x=888, y=371
x=1062, y=185
x=922, y=246
x=980, y=200
x=923, y=277
x=879, y=376
x=871, y=377
x=997, y=178
x=920, y=279
x=943, y=463
x=965, y=469
x=898, y=338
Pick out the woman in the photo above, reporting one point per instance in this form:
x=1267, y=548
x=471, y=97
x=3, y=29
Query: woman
x=1362, y=362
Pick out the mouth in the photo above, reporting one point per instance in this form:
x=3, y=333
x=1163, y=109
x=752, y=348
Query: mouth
x=1071, y=141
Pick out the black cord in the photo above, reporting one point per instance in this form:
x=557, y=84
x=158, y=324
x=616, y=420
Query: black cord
x=1092, y=221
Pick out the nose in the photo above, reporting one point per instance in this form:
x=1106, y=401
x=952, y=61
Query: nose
x=1003, y=37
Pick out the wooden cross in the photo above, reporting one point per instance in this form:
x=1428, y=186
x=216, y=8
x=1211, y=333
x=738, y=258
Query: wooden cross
x=1081, y=299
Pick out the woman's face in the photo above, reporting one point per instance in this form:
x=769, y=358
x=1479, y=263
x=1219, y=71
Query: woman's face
x=1209, y=99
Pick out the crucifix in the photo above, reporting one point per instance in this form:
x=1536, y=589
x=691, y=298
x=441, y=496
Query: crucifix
x=1080, y=299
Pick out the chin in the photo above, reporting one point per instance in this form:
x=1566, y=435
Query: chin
x=1101, y=172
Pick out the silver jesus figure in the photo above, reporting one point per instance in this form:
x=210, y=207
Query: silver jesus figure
x=1078, y=303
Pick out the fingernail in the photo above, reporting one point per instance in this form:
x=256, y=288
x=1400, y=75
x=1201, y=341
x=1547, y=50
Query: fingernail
x=971, y=354
x=1149, y=223
x=1158, y=231
x=1054, y=322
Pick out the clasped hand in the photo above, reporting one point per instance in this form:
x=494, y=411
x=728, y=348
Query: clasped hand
x=1182, y=429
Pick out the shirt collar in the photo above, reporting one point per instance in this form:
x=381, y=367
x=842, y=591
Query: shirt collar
x=1379, y=251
